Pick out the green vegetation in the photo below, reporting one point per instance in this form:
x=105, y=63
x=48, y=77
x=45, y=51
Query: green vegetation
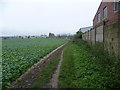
x=46, y=74
x=67, y=71
x=0, y=63
x=78, y=35
x=20, y=54
x=87, y=66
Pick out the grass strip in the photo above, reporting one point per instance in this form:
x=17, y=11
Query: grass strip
x=83, y=68
x=67, y=68
x=46, y=74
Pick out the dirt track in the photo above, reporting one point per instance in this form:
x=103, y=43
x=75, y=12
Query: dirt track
x=27, y=79
x=54, y=80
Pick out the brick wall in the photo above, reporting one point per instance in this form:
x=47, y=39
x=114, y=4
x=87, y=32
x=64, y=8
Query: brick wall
x=112, y=16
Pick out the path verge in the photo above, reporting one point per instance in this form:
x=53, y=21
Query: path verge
x=54, y=80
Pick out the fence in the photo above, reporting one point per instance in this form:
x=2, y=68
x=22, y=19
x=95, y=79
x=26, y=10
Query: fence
x=108, y=34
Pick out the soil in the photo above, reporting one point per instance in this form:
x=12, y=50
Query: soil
x=28, y=78
x=54, y=80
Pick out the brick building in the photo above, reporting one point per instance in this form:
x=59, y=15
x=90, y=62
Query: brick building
x=106, y=26
x=108, y=12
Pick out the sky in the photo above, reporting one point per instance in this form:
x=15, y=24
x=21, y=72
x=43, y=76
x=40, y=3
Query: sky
x=36, y=17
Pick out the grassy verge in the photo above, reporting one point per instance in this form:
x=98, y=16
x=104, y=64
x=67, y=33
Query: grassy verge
x=87, y=67
x=67, y=68
x=46, y=74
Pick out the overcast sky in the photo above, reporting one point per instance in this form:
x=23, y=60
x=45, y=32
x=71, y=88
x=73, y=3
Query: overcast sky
x=36, y=17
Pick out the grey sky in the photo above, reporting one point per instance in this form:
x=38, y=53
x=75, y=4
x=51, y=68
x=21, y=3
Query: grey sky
x=28, y=17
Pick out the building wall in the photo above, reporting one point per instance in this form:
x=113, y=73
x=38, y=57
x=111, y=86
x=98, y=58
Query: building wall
x=111, y=15
x=99, y=34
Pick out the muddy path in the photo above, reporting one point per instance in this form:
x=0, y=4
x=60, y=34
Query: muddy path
x=53, y=83
x=29, y=77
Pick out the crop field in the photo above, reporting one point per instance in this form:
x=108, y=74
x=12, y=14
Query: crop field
x=20, y=54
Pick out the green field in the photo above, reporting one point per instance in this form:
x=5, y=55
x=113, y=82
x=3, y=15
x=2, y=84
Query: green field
x=20, y=54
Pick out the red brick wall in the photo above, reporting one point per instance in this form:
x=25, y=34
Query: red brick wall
x=111, y=15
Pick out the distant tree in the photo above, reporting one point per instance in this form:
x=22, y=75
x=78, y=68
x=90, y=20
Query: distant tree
x=5, y=38
x=78, y=35
x=28, y=37
x=19, y=36
x=51, y=35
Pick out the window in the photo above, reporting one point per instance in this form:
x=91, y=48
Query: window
x=115, y=5
x=98, y=17
x=104, y=13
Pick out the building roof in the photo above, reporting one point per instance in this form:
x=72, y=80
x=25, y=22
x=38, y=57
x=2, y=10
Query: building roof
x=84, y=29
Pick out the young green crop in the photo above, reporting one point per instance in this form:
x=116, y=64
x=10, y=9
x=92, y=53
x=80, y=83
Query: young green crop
x=20, y=54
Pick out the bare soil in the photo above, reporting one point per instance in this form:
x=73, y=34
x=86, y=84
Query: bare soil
x=54, y=80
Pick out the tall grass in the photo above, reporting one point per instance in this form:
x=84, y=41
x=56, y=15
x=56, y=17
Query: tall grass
x=92, y=67
x=108, y=64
